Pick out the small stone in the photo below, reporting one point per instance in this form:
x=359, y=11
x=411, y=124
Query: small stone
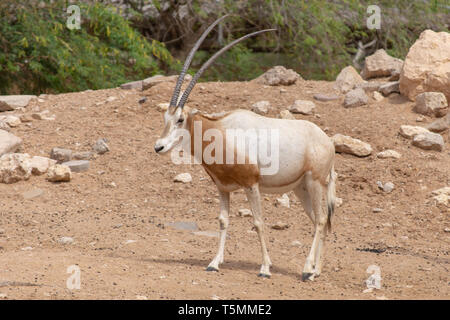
x=440, y=125
x=11, y=121
x=245, y=213
x=411, y=131
x=346, y=144
x=286, y=114
x=26, y=118
x=4, y=126
x=280, y=226
x=377, y=96
x=77, y=165
x=65, y=240
x=390, y=87
x=339, y=202
x=85, y=155
x=278, y=75
x=355, y=98
x=183, y=177
x=129, y=241
x=59, y=173
x=377, y=210
x=28, y=195
x=100, y=146
x=296, y=243
x=429, y=141
x=431, y=103
x=283, y=201
x=388, y=154
x=26, y=248
x=305, y=107
x=111, y=99
x=212, y=234
x=9, y=142
x=40, y=165
x=61, y=155
x=142, y=100
x=388, y=187
x=347, y=79
x=261, y=107
x=325, y=97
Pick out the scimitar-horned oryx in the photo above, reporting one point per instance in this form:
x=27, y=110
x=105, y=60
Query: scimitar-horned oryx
x=304, y=155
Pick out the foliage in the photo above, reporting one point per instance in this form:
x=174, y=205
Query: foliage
x=39, y=53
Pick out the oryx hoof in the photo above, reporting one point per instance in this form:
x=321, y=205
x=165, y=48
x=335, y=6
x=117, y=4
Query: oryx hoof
x=263, y=275
x=307, y=276
x=209, y=268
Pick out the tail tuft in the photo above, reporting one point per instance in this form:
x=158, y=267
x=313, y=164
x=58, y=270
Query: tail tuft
x=331, y=196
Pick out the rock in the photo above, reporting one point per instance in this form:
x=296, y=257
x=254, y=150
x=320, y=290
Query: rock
x=59, y=173
x=286, y=114
x=9, y=103
x=245, y=213
x=162, y=107
x=369, y=86
x=355, y=98
x=261, y=107
x=11, y=120
x=134, y=85
x=183, y=225
x=346, y=144
x=325, y=97
x=427, y=65
x=65, y=240
x=411, y=131
x=26, y=118
x=111, y=99
x=388, y=187
x=280, y=226
x=431, y=103
x=339, y=202
x=388, y=88
x=9, y=142
x=442, y=196
x=212, y=234
x=440, y=125
x=40, y=165
x=377, y=210
x=100, y=146
x=380, y=64
x=4, y=126
x=296, y=243
x=283, y=201
x=395, y=75
x=14, y=167
x=347, y=79
x=388, y=154
x=377, y=96
x=183, y=177
x=278, y=75
x=155, y=80
x=84, y=155
x=61, y=155
x=142, y=100
x=429, y=141
x=28, y=195
x=303, y=107
x=77, y=165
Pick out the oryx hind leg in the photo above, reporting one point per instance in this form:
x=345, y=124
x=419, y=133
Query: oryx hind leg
x=223, y=221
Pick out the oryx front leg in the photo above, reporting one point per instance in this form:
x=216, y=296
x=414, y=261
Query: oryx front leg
x=255, y=202
x=223, y=221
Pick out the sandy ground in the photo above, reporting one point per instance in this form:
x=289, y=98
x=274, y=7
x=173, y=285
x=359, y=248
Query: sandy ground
x=406, y=240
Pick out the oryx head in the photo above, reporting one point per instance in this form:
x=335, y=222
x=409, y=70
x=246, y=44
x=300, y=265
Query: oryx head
x=175, y=117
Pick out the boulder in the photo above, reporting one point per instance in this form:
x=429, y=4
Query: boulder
x=347, y=79
x=429, y=141
x=40, y=165
x=355, y=98
x=61, y=155
x=278, y=75
x=431, y=104
x=303, y=107
x=261, y=107
x=440, y=125
x=380, y=64
x=15, y=167
x=9, y=103
x=388, y=88
x=346, y=144
x=9, y=142
x=427, y=65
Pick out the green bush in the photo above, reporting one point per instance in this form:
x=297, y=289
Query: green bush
x=38, y=53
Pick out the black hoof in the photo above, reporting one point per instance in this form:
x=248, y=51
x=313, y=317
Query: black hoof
x=306, y=276
x=212, y=269
x=263, y=275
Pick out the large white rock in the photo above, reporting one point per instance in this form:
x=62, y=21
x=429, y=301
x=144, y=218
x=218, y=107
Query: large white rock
x=59, y=173
x=431, y=104
x=183, y=177
x=347, y=79
x=278, y=75
x=389, y=154
x=8, y=103
x=9, y=142
x=440, y=124
x=380, y=64
x=346, y=144
x=355, y=98
x=427, y=65
x=410, y=132
x=429, y=141
x=15, y=167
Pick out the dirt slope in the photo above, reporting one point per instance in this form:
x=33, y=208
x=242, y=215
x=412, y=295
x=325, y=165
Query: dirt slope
x=406, y=239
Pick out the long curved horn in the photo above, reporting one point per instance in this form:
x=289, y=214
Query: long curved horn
x=210, y=61
x=176, y=92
